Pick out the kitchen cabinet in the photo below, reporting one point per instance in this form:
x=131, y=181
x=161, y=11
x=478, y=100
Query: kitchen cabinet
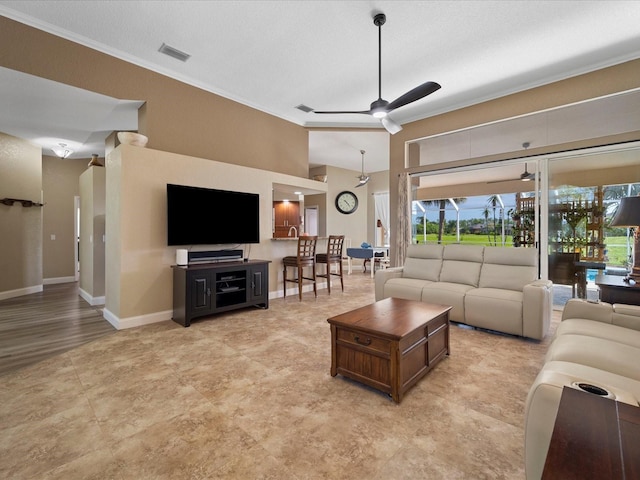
x=286, y=214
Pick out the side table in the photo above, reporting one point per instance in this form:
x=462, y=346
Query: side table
x=613, y=289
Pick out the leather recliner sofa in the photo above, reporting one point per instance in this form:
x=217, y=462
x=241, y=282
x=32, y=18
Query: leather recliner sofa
x=595, y=344
x=496, y=288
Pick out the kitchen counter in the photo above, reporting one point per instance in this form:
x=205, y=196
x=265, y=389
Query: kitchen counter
x=294, y=238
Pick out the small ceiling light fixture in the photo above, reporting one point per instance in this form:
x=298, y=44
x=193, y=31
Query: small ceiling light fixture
x=62, y=151
x=362, y=178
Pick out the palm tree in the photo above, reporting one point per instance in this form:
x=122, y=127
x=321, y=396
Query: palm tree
x=493, y=202
x=485, y=214
x=441, y=203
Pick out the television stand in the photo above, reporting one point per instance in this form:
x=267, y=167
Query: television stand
x=205, y=289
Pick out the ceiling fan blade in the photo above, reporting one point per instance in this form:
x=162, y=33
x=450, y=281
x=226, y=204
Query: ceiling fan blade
x=366, y=112
x=417, y=93
x=391, y=126
x=364, y=179
x=503, y=181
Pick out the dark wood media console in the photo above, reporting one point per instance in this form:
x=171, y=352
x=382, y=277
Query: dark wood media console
x=202, y=290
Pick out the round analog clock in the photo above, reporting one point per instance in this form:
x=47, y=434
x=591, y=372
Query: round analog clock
x=346, y=202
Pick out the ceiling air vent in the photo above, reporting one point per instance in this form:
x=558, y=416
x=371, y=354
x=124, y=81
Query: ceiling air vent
x=174, y=52
x=304, y=108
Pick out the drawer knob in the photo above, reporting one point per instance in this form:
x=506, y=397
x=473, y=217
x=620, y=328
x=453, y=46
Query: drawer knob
x=366, y=343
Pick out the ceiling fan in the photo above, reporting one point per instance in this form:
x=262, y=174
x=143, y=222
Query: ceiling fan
x=380, y=108
x=362, y=178
x=525, y=176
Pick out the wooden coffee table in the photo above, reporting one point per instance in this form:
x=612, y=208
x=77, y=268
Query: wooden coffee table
x=391, y=344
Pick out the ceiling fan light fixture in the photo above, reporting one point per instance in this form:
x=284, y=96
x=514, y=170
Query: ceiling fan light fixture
x=362, y=178
x=62, y=151
x=380, y=108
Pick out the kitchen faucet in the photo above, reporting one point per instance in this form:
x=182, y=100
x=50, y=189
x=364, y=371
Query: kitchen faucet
x=294, y=229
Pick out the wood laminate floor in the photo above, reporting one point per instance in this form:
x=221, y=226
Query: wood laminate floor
x=40, y=325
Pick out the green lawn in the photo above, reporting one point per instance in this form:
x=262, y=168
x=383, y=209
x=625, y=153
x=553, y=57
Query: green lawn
x=616, y=246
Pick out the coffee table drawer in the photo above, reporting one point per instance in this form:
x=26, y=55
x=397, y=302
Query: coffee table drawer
x=437, y=323
x=364, y=340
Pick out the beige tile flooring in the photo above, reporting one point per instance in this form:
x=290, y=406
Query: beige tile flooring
x=248, y=395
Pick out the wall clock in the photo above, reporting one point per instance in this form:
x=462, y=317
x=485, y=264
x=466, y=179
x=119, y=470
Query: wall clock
x=346, y=202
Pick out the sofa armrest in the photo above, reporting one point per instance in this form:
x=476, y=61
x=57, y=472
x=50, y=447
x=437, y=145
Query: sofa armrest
x=577, y=308
x=627, y=316
x=382, y=276
x=537, y=304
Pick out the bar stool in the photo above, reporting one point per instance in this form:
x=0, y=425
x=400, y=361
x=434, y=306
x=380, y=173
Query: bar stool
x=306, y=257
x=332, y=257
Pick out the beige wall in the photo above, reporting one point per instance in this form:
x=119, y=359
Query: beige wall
x=92, y=234
x=603, y=82
x=60, y=186
x=138, y=260
x=20, y=227
x=177, y=117
x=379, y=183
x=353, y=225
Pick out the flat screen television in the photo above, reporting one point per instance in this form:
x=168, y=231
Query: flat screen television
x=205, y=216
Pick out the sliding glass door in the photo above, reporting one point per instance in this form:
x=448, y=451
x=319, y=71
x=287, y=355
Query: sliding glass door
x=585, y=189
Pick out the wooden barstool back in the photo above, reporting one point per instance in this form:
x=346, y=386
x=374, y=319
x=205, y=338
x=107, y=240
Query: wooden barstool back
x=332, y=257
x=306, y=257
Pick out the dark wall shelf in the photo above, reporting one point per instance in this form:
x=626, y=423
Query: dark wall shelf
x=23, y=202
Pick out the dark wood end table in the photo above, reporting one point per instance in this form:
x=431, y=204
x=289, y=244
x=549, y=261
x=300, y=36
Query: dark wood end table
x=613, y=289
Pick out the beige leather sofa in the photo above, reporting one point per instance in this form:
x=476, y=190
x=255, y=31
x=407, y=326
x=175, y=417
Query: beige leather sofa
x=488, y=287
x=595, y=344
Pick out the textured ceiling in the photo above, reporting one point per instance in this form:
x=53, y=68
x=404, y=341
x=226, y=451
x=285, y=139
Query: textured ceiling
x=274, y=55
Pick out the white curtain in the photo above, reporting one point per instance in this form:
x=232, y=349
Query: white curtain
x=382, y=215
x=404, y=219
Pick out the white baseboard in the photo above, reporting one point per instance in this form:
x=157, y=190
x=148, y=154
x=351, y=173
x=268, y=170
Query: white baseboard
x=20, y=291
x=90, y=299
x=55, y=280
x=124, y=323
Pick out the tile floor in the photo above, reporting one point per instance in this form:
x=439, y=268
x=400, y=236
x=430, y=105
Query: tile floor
x=248, y=395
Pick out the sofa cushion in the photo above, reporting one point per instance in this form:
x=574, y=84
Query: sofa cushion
x=424, y=262
x=592, y=328
x=527, y=257
x=596, y=352
x=444, y=293
x=407, y=288
x=626, y=316
x=508, y=268
x=461, y=264
x=506, y=277
x=494, y=309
